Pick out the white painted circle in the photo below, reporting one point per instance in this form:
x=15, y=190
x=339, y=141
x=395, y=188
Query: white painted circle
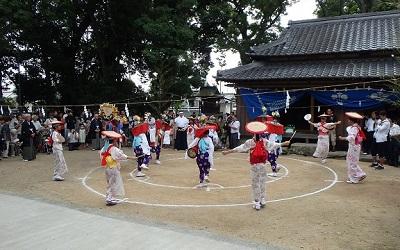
x=146, y=178
x=126, y=200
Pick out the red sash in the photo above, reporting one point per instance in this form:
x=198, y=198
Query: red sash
x=104, y=156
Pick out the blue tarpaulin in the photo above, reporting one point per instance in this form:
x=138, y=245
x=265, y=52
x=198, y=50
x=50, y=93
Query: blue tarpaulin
x=271, y=101
x=354, y=99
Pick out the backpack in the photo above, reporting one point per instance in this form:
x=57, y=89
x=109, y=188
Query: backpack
x=258, y=154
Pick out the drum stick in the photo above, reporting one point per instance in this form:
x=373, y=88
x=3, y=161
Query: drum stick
x=292, y=136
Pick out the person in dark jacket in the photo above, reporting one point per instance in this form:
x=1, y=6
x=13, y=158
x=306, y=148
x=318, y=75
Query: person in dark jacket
x=28, y=132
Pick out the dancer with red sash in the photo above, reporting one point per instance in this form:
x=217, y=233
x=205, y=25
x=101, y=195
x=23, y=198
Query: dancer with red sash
x=323, y=128
x=275, y=130
x=140, y=145
x=111, y=156
x=202, y=148
x=355, y=137
x=258, y=157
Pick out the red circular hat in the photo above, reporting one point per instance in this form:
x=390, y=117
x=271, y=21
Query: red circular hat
x=256, y=127
x=202, y=131
x=354, y=115
x=111, y=134
x=140, y=129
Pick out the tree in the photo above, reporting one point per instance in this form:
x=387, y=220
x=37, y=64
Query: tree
x=74, y=46
x=326, y=8
x=250, y=23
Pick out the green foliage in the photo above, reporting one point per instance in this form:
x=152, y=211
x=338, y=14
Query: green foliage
x=82, y=51
x=326, y=8
x=248, y=23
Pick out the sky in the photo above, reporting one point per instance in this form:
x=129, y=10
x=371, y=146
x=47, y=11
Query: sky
x=303, y=9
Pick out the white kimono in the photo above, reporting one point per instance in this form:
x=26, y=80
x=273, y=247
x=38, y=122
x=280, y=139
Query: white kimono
x=115, y=185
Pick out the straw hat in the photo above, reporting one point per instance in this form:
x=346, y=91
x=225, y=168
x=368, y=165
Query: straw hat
x=57, y=122
x=354, y=115
x=256, y=127
x=324, y=115
x=111, y=134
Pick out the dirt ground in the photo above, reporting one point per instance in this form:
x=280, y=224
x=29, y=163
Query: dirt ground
x=307, y=209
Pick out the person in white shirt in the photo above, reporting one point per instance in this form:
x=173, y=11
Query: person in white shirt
x=181, y=123
x=73, y=140
x=60, y=167
x=370, y=124
x=36, y=123
x=380, y=147
x=235, y=134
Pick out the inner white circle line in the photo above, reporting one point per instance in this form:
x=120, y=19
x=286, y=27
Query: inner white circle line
x=335, y=180
x=145, y=181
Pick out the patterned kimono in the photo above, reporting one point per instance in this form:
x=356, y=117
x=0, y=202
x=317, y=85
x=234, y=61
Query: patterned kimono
x=155, y=141
x=322, y=149
x=190, y=134
x=141, y=146
x=112, y=156
x=258, y=171
x=354, y=172
x=205, y=155
x=274, y=152
x=60, y=167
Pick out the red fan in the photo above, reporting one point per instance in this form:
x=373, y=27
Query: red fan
x=140, y=129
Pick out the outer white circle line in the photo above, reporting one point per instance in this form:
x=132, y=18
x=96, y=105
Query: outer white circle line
x=221, y=205
x=88, y=187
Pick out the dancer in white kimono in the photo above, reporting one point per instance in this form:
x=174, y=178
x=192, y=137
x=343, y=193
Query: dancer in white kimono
x=111, y=156
x=355, y=137
x=60, y=167
x=258, y=157
x=323, y=128
x=190, y=131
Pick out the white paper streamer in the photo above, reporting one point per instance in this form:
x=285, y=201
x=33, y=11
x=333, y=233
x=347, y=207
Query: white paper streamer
x=85, y=111
x=287, y=100
x=126, y=110
x=9, y=110
x=359, y=103
x=319, y=108
x=1, y=110
x=253, y=109
x=43, y=113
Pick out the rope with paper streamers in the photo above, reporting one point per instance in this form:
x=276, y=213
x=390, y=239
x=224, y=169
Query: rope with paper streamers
x=125, y=101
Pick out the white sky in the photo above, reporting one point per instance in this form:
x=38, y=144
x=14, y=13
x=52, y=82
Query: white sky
x=301, y=10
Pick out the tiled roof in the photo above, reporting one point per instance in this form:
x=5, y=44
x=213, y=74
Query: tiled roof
x=344, y=68
x=352, y=33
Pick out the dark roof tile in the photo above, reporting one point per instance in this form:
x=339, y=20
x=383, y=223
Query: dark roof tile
x=344, y=68
x=361, y=32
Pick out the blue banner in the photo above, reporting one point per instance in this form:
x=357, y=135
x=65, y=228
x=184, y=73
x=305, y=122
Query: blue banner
x=354, y=99
x=256, y=100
